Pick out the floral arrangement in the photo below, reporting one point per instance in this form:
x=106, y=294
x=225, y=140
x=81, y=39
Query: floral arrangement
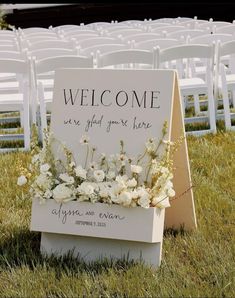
x=144, y=181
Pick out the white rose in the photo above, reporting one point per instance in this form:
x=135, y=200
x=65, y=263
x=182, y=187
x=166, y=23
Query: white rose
x=99, y=175
x=66, y=178
x=136, y=169
x=62, y=193
x=80, y=172
x=144, y=201
x=125, y=198
x=43, y=181
x=161, y=201
x=21, y=180
x=86, y=189
x=171, y=192
x=44, y=168
x=48, y=193
x=131, y=183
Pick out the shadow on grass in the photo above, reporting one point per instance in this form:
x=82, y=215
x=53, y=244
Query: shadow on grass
x=23, y=249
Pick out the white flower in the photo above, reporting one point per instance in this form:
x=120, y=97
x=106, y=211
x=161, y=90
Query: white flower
x=131, y=183
x=125, y=198
x=43, y=182
x=122, y=158
x=35, y=158
x=44, y=168
x=62, y=193
x=85, y=189
x=80, y=172
x=151, y=145
x=110, y=175
x=84, y=140
x=136, y=169
x=144, y=201
x=48, y=193
x=169, y=143
x=144, y=197
x=161, y=201
x=21, y=180
x=66, y=178
x=99, y=175
x=171, y=192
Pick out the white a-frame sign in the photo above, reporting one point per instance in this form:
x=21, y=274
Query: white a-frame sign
x=109, y=106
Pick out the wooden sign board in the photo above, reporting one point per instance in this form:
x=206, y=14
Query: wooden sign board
x=129, y=105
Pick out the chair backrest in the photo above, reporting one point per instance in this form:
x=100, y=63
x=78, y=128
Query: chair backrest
x=127, y=58
x=53, y=63
x=188, y=52
x=14, y=66
x=210, y=38
x=14, y=48
x=115, y=27
x=230, y=29
x=185, y=33
x=50, y=52
x=141, y=37
x=72, y=33
x=27, y=31
x=156, y=25
x=125, y=32
x=80, y=37
x=95, y=41
x=168, y=29
x=162, y=43
x=102, y=49
x=60, y=44
x=12, y=55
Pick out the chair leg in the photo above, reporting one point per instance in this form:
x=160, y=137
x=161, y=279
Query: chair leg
x=233, y=97
x=26, y=121
x=211, y=105
x=43, y=112
x=227, y=116
x=196, y=103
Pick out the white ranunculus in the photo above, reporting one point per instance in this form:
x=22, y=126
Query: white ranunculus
x=66, y=178
x=43, y=181
x=85, y=189
x=136, y=169
x=99, y=175
x=171, y=192
x=80, y=172
x=48, y=193
x=44, y=168
x=93, y=166
x=151, y=145
x=125, y=198
x=161, y=201
x=131, y=183
x=21, y=180
x=62, y=193
x=144, y=201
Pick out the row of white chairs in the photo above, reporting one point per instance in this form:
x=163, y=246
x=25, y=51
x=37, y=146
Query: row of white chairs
x=32, y=94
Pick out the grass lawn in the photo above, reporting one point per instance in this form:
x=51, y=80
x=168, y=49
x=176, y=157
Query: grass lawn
x=197, y=264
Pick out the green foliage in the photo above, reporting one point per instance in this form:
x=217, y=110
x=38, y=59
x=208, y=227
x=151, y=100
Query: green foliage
x=195, y=264
x=3, y=23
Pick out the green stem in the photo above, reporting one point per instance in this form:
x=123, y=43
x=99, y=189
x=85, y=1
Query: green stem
x=87, y=154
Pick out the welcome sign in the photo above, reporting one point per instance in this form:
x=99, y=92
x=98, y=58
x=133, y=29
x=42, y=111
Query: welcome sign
x=111, y=106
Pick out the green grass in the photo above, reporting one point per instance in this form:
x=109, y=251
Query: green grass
x=196, y=264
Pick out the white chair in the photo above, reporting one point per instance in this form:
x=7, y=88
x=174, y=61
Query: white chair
x=225, y=81
x=79, y=32
x=94, y=51
x=190, y=33
x=18, y=101
x=50, y=53
x=167, y=29
x=114, y=27
x=55, y=44
x=95, y=41
x=42, y=93
x=124, y=33
x=141, y=37
x=230, y=29
x=217, y=24
x=160, y=42
x=127, y=59
x=189, y=84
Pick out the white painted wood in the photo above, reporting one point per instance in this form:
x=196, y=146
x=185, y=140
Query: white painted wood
x=93, y=249
x=98, y=220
